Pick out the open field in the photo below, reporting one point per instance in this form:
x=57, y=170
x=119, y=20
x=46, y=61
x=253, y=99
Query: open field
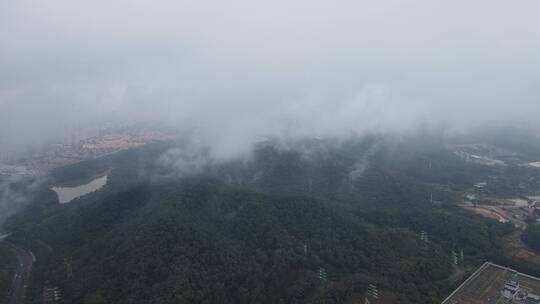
x=514, y=210
x=489, y=213
x=515, y=247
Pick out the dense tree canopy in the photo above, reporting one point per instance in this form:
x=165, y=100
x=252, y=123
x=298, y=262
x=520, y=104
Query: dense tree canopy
x=261, y=231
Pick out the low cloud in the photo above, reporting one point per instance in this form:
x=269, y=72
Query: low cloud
x=16, y=192
x=241, y=71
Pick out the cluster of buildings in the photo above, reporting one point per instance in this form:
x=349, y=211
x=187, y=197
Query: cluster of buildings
x=519, y=211
x=9, y=170
x=62, y=154
x=478, y=159
x=513, y=292
x=484, y=154
x=496, y=284
x=110, y=143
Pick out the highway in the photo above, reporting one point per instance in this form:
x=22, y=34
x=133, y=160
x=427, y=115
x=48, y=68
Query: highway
x=25, y=259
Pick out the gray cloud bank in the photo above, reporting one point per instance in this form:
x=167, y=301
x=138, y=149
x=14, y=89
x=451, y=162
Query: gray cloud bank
x=15, y=193
x=237, y=71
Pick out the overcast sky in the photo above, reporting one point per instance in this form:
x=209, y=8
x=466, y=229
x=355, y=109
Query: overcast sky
x=239, y=70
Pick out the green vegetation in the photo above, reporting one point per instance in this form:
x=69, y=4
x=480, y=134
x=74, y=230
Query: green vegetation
x=8, y=262
x=259, y=232
x=531, y=236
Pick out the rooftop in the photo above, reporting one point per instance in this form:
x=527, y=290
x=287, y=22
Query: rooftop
x=487, y=283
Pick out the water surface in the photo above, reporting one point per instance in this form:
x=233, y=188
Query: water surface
x=67, y=194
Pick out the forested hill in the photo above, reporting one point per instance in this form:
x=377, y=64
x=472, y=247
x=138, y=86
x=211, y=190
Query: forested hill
x=261, y=231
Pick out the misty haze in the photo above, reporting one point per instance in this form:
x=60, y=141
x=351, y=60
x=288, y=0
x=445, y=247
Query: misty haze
x=282, y=152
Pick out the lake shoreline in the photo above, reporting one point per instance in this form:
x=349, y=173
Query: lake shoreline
x=68, y=194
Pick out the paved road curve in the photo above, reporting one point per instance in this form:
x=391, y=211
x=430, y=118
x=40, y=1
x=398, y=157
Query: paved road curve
x=22, y=274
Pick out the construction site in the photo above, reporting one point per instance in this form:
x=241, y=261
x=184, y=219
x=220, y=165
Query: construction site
x=495, y=284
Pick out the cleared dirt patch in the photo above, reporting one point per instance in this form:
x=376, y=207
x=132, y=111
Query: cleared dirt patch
x=490, y=213
x=515, y=248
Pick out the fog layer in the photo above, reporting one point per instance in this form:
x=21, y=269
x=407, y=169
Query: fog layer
x=237, y=71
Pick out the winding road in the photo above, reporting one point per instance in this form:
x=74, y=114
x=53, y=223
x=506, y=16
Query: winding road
x=25, y=259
